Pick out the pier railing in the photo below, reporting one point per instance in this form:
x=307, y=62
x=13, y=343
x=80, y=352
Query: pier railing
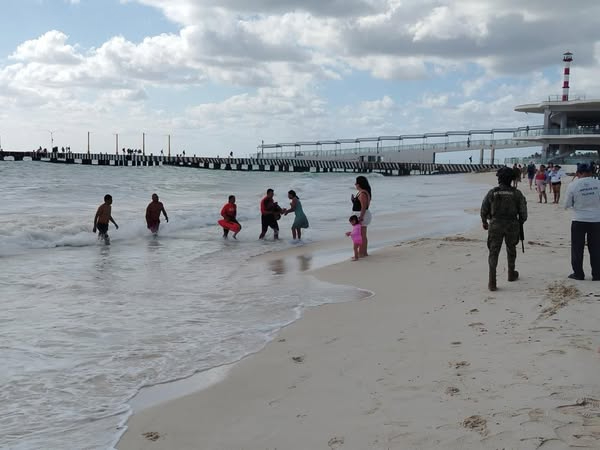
x=250, y=164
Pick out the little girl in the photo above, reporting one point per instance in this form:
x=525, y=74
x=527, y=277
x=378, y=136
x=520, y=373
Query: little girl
x=356, y=235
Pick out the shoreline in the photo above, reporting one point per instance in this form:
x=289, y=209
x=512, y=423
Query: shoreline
x=421, y=364
x=322, y=254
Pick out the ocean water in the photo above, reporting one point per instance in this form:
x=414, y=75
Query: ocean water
x=84, y=326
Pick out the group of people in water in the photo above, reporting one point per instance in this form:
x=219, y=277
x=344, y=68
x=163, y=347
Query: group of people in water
x=270, y=212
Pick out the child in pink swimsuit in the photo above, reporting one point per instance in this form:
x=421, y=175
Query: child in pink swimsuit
x=356, y=235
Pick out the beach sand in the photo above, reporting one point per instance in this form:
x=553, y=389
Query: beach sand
x=432, y=360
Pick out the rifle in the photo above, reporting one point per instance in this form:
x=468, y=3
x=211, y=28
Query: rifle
x=522, y=236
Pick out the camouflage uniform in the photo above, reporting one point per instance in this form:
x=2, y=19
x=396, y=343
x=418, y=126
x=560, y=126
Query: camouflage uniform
x=506, y=208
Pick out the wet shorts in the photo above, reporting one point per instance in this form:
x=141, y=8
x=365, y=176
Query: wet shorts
x=268, y=220
x=102, y=228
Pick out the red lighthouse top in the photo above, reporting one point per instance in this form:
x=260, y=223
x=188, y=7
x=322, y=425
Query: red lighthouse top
x=567, y=57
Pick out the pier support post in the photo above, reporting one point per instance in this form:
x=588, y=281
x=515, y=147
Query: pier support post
x=493, y=156
x=481, y=156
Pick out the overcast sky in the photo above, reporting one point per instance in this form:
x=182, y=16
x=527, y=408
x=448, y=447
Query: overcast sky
x=222, y=75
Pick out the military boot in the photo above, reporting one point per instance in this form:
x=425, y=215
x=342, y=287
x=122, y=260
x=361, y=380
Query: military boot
x=513, y=275
x=492, y=281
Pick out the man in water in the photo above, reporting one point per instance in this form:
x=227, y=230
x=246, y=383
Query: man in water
x=269, y=211
x=506, y=208
x=153, y=214
x=229, y=213
x=103, y=216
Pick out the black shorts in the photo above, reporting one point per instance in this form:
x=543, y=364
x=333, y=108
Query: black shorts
x=268, y=220
x=102, y=228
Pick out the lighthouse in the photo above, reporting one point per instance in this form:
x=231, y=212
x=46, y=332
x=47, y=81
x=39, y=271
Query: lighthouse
x=567, y=58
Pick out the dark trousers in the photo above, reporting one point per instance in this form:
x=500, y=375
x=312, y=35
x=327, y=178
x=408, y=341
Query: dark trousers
x=579, y=230
x=507, y=231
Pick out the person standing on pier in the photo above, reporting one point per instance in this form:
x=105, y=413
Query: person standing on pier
x=153, y=211
x=505, y=207
x=102, y=217
x=269, y=214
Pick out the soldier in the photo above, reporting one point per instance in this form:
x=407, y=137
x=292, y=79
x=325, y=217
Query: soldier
x=506, y=208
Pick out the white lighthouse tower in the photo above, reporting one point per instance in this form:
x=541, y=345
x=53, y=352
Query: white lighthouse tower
x=567, y=58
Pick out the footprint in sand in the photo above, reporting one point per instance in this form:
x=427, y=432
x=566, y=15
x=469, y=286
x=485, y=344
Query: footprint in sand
x=298, y=359
x=452, y=390
x=335, y=442
x=459, y=364
x=151, y=436
x=476, y=423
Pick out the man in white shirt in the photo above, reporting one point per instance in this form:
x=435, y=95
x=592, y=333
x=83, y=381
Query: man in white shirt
x=556, y=175
x=583, y=195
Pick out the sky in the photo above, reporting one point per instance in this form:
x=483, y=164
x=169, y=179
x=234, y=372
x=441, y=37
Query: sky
x=224, y=75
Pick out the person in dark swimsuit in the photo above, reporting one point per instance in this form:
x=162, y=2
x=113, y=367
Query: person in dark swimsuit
x=102, y=217
x=360, y=205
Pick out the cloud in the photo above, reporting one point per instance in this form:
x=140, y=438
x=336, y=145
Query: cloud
x=50, y=48
x=273, y=61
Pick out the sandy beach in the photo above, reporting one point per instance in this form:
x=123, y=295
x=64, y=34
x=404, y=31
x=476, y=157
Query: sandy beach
x=432, y=360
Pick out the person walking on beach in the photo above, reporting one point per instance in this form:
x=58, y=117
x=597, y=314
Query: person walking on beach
x=356, y=235
x=102, y=217
x=360, y=204
x=531, y=173
x=229, y=213
x=153, y=211
x=300, y=220
x=540, y=183
x=555, y=181
x=583, y=195
x=517, y=171
x=505, y=208
x=269, y=215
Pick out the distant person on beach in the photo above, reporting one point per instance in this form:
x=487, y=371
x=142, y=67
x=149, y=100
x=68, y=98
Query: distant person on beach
x=270, y=212
x=153, y=211
x=503, y=211
x=300, y=221
x=229, y=213
x=517, y=171
x=356, y=235
x=530, y=173
x=540, y=183
x=583, y=195
x=556, y=181
x=103, y=216
x=360, y=204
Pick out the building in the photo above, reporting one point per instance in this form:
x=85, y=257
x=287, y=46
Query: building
x=570, y=124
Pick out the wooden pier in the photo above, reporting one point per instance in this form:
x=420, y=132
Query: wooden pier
x=250, y=164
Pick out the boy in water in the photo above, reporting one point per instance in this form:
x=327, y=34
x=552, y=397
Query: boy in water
x=153, y=211
x=103, y=216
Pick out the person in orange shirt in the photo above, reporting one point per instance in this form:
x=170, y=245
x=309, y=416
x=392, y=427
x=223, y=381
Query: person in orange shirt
x=229, y=222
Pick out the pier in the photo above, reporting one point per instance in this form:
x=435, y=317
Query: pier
x=267, y=164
